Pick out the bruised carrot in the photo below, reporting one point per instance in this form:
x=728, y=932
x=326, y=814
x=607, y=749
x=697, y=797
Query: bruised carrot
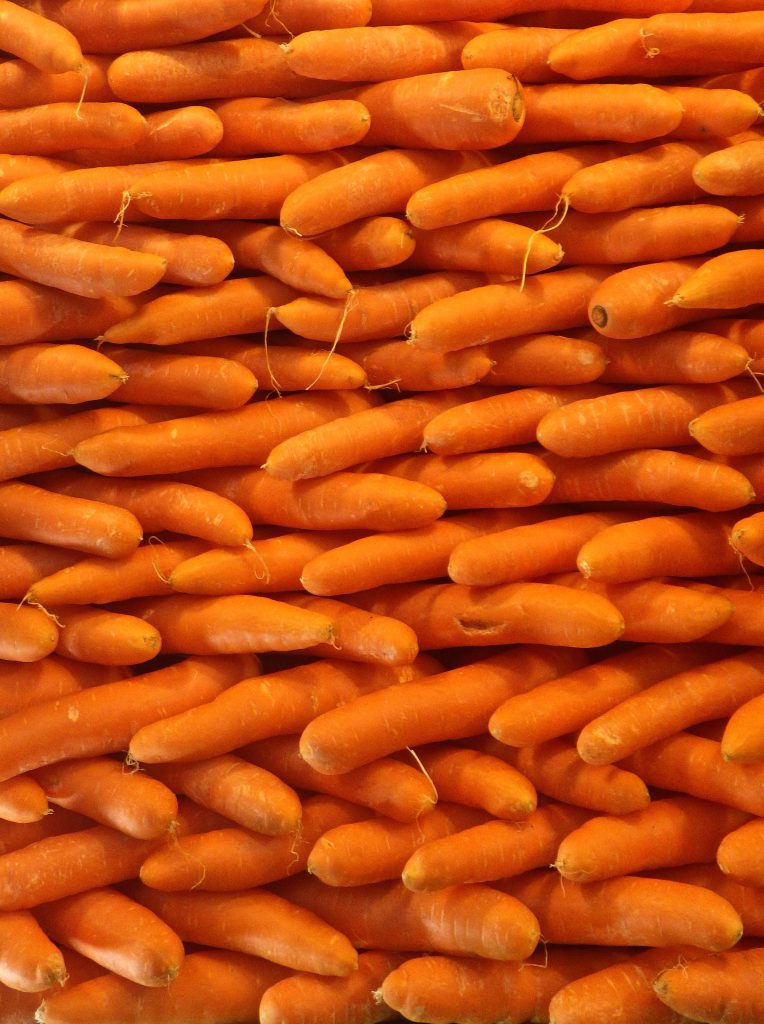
x=50, y=128
x=386, y=915
x=726, y=986
x=110, y=793
x=103, y=636
x=247, y=711
x=274, y=125
x=57, y=373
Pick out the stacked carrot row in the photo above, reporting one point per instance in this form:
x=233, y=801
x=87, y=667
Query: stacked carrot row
x=381, y=461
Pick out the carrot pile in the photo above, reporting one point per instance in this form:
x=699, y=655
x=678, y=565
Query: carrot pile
x=381, y=530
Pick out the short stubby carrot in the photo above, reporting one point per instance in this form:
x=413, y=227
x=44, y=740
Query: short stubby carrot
x=100, y=635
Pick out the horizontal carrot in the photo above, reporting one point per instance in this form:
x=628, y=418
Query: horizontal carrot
x=57, y=373
x=24, y=85
x=722, y=112
x=539, y=359
x=369, y=243
x=741, y=739
x=713, y=430
x=392, y=364
x=26, y=634
x=522, y=49
x=23, y=684
x=719, y=283
x=731, y=170
x=742, y=627
x=274, y=125
x=490, y=245
x=295, y=16
x=102, y=636
x=736, y=854
x=50, y=128
x=673, y=357
x=721, y=987
x=22, y=800
x=39, y=40
x=678, y=35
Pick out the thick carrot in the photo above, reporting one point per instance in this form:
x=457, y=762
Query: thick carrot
x=522, y=49
x=712, y=112
x=142, y=949
x=392, y=364
x=274, y=125
x=369, y=243
x=715, y=988
x=22, y=800
x=275, y=704
x=57, y=373
x=230, y=857
x=746, y=899
x=670, y=830
x=689, y=37
x=173, y=378
x=40, y=41
x=672, y=357
x=350, y=500
x=29, y=959
x=626, y=911
x=402, y=716
x=713, y=428
x=671, y=704
x=539, y=359
x=254, y=921
x=235, y=437
x=386, y=786
x=379, y=183
x=490, y=245
x=102, y=636
x=111, y=794
x=466, y=920
x=24, y=85
x=743, y=627
x=25, y=683
x=680, y=544
x=375, y=311
x=102, y=719
x=546, y=302
x=728, y=281
x=50, y=128
x=732, y=170
x=737, y=854
x=26, y=634
x=310, y=999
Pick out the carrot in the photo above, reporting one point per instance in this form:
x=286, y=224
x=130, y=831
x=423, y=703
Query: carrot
x=273, y=125
x=57, y=373
x=21, y=565
x=638, y=235
x=557, y=771
x=309, y=999
x=16, y=835
x=521, y=49
x=386, y=786
x=374, y=311
x=232, y=857
x=666, y=762
x=743, y=626
x=681, y=544
x=143, y=573
x=727, y=281
x=671, y=477
x=671, y=830
x=689, y=38
x=387, y=844
x=22, y=800
x=726, y=986
x=714, y=431
x=23, y=684
x=42, y=42
x=176, y=507
x=254, y=921
x=173, y=378
x=29, y=960
x=535, y=360
x=731, y=170
x=235, y=437
x=369, y=243
x=546, y=302
x=485, y=480
x=626, y=911
x=465, y=920
x=342, y=501
x=671, y=704
x=746, y=899
x=392, y=364
x=712, y=112
x=237, y=790
x=501, y=419
x=104, y=790
x=192, y=259
x=207, y=70
x=102, y=719
x=741, y=740
x=236, y=982
x=490, y=245
x=50, y=128
x=295, y=16
x=24, y=85
x=532, y=181
x=249, y=188
x=442, y=989
x=380, y=53
x=402, y=716
x=35, y=312
x=102, y=636
x=747, y=537
x=14, y=166
x=392, y=11
x=736, y=854
x=378, y=183
x=277, y=703
x=226, y=624
x=453, y=615
x=672, y=357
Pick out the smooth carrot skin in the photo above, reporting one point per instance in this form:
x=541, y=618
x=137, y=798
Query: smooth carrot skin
x=42, y=42
x=22, y=800
x=386, y=786
x=143, y=949
x=742, y=739
x=144, y=573
x=378, y=183
x=732, y=170
x=255, y=921
x=539, y=359
x=745, y=898
x=29, y=960
x=296, y=16
x=466, y=920
x=672, y=357
x=309, y=999
x=232, y=857
x=102, y=719
x=546, y=302
x=235, y=437
x=727, y=281
x=236, y=981
x=248, y=712
x=104, y=790
x=393, y=364
x=25, y=683
x=390, y=12
x=713, y=428
x=671, y=830
x=676, y=35
x=748, y=538
x=273, y=125
x=743, y=627
x=14, y=166
x=50, y=128
x=387, y=844
x=57, y=373
x=401, y=716
x=172, y=378
x=719, y=112
x=736, y=854
x=102, y=636
x=24, y=85
x=523, y=50
x=36, y=313
x=26, y=634
x=675, y=703
x=369, y=243
x=626, y=911
x=16, y=835
x=21, y=565
x=726, y=986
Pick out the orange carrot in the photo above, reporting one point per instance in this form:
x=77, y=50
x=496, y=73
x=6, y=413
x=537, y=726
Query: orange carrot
x=14, y=166
x=295, y=16
x=732, y=170
x=29, y=960
x=746, y=899
x=103, y=636
x=172, y=378
x=247, y=711
x=521, y=49
x=42, y=42
x=26, y=634
x=24, y=85
x=728, y=281
x=274, y=125
x=401, y=716
x=57, y=373
x=23, y=684
x=16, y=835
x=743, y=626
x=736, y=854
x=22, y=800
x=712, y=112
x=726, y=987
x=50, y=128
x=466, y=920
x=369, y=243
x=539, y=359
x=713, y=428
x=672, y=357
x=689, y=38
x=490, y=245
x=392, y=364
x=741, y=740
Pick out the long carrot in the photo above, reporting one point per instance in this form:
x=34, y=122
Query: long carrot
x=29, y=959
x=274, y=125
x=57, y=373
x=490, y=245
x=25, y=683
x=673, y=357
x=50, y=128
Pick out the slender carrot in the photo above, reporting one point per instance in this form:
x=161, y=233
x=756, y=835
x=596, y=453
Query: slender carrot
x=102, y=636
x=235, y=437
x=392, y=364
x=466, y=920
x=102, y=719
x=732, y=170
x=57, y=373
x=672, y=357
x=627, y=911
x=275, y=704
x=111, y=794
x=29, y=960
x=50, y=128
x=727, y=281
x=536, y=360
x=678, y=35
x=274, y=125
x=386, y=786
x=231, y=858
x=726, y=986
x=402, y=716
